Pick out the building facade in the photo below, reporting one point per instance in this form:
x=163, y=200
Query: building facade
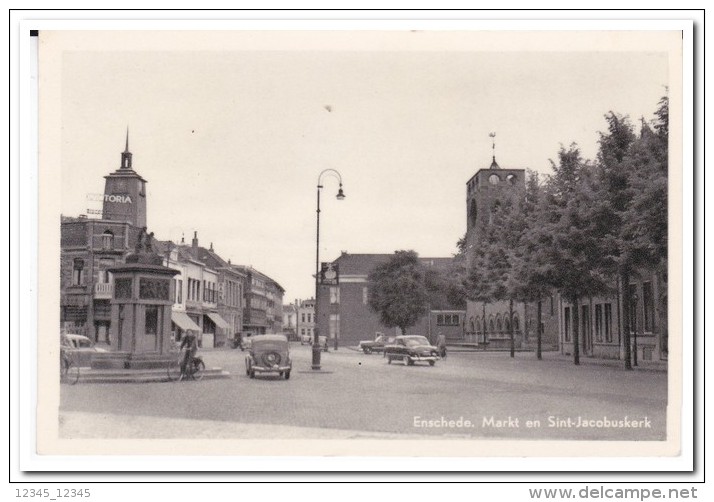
x=305, y=320
x=344, y=315
x=601, y=321
x=263, y=302
x=90, y=247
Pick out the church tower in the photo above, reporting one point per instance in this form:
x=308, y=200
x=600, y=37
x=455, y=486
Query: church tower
x=485, y=192
x=125, y=193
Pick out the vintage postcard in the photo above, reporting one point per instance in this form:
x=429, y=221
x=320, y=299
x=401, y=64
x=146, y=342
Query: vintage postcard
x=425, y=241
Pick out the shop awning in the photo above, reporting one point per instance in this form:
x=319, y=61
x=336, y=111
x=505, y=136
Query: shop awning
x=184, y=322
x=218, y=321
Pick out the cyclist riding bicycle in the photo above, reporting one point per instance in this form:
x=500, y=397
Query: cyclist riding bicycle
x=190, y=343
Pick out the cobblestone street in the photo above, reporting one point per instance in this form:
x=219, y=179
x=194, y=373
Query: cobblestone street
x=468, y=395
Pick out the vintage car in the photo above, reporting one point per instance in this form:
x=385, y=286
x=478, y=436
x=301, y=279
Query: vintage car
x=376, y=345
x=80, y=348
x=268, y=354
x=411, y=349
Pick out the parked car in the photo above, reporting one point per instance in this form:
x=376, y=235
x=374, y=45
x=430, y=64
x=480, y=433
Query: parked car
x=308, y=339
x=268, y=354
x=80, y=348
x=411, y=349
x=376, y=345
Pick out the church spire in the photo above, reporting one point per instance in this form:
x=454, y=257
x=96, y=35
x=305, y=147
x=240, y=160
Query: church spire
x=126, y=154
x=494, y=165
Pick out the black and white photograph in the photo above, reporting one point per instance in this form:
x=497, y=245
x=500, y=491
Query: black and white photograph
x=423, y=242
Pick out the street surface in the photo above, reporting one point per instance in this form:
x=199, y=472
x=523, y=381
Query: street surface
x=468, y=395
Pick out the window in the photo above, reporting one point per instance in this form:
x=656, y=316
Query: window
x=309, y=317
x=648, y=305
x=364, y=296
x=152, y=320
x=334, y=325
x=302, y=316
x=598, y=323
x=516, y=323
x=494, y=179
x=107, y=240
x=551, y=305
x=302, y=331
x=499, y=323
x=179, y=291
x=507, y=324
x=608, y=322
x=334, y=294
x=78, y=272
x=587, y=333
x=566, y=323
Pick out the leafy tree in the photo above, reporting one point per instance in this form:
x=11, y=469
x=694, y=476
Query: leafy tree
x=570, y=219
x=631, y=194
x=532, y=271
x=399, y=290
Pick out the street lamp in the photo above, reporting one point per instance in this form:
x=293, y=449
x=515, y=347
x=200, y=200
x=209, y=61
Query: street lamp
x=635, y=299
x=316, y=333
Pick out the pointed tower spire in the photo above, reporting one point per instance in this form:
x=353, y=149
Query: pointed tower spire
x=126, y=154
x=494, y=165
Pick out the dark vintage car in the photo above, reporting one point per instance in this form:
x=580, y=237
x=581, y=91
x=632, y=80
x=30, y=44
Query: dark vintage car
x=268, y=354
x=376, y=345
x=411, y=349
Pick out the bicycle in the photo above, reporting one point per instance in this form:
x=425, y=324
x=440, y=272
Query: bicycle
x=69, y=369
x=195, y=368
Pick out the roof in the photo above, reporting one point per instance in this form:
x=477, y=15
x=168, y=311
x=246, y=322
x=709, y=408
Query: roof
x=363, y=264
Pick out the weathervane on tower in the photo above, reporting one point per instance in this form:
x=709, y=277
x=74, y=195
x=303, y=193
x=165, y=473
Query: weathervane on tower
x=492, y=135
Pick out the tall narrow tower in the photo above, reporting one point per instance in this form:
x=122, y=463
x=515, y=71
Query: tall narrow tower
x=485, y=191
x=125, y=192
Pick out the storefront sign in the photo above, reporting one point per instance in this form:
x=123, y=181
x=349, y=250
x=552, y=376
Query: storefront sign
x=330, y=274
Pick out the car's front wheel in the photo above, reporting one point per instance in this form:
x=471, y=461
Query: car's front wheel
x=408, y=361
x=367, y=350
x=432, y=363
x=287, y=375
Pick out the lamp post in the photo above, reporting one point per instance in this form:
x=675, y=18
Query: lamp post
x=316, y=332
x=635, y=299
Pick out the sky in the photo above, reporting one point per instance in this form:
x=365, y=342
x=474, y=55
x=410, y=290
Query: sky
x=232, y=142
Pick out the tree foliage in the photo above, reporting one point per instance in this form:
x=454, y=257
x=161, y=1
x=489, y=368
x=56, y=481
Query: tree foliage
x=400, y=290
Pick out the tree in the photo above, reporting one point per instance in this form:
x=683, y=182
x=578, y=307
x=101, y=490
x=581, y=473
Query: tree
x=399, y=290
x=532, y=271
x=572, y=221
x=631, y=194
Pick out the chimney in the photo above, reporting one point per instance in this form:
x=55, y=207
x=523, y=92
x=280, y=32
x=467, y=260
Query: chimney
x=211, y=249
x=194, y=245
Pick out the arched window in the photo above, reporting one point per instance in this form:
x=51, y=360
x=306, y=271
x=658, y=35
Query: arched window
x=490, y=325
x=472, y=325
x=511, y=178
x=108, y=240
x=516, y=324
x=478, y=325
x=507, y=323
x=499, y=323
